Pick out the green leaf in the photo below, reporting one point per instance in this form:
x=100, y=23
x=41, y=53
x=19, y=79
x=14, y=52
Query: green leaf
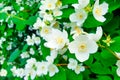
x=20, y=22
x=65, y=2
x=61, y=75
x=116, y=45
x=31, y=20
x=97, y=68
x=9, y=32
x=114, y=73
x=3, y=16
x=106, y=54
x=91, y=22
x=2, y=28
x=14, y=55
x=71, y=75
x=25, y=47
x=113, y=5
x=45, y=50
x=89, y=61
x=104, y=78
x=112, y=25
x=67, y=12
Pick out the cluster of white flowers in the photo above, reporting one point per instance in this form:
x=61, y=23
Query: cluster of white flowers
x=57, y=40
x=73, y=65
x=34, y=68
x=33, y=40
x=81, y=14
x=3, y=72
x=2, y=59
x=48, y=28
x=2, y=39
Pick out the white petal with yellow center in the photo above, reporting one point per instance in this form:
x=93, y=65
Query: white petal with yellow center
x=79, y=17
x=82, y=46
x=99, y=10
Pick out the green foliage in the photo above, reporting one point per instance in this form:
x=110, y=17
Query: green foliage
x=14, y=55
x=61, y=73
x=98, y=68
x=67, y=12
x=100, y=65
x=66, y=2
x=73, y=76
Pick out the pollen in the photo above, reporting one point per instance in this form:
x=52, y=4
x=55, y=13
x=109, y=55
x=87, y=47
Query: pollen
x=59, y=40
x=82, y=47
x=46, y=31
x=98, y=11
x=80, y=16
x=49, y=5
x=78, y=30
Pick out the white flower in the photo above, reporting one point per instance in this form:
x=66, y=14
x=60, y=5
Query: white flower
x=32, y=51
x=118, y=69
x=52, y=70
x=20, y=72
x=47, y=17
x=31, y=68
x=58, y=39
x=79, y=68
x=33, y=40
x=96, y=37
x=57, y=12
x=48, y=4
x=76, y=30
x=13, y=69
x=39, y=23
x=50, y=59
x=2, y=59
x=1, y=5
x=25, y=55
x=79, y=17
x=100, y=10
x=62, y=51
x=3, y=72
x=72, y=64
x=29, y=40
x=45, y=32
x=36, y=39
x=118, y=54
x=82, y=46
x=82, y=4
x=18, y=1
x=7, y=8
x=42, y=68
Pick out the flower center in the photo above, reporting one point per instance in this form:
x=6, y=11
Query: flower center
x=80, y=15
x=82, y=47
x=98, y=11
x=46, y=31
x=78, y=30
x=49, y=5
x=59, y=40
